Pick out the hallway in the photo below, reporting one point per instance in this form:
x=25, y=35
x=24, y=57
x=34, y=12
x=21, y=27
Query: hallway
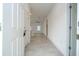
x=54, y=20
x=40, y=46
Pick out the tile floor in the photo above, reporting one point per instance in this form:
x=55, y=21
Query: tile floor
x=40, y=46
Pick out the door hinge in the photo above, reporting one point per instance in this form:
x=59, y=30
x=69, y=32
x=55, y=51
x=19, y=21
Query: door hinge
x=70, y=6
x=70, y=27
x=69, y=47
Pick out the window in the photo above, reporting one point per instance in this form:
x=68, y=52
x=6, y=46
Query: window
x=38, y=28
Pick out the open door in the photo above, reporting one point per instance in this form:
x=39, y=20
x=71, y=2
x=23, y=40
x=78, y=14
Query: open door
x=13, y=28
x=10, y=30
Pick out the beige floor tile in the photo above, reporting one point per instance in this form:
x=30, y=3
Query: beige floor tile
x=40, y=46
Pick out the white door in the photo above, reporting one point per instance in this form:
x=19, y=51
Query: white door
x=20, y=30
x=1, y=28
x=7, y=29
x=13, y=25
x=15, y=29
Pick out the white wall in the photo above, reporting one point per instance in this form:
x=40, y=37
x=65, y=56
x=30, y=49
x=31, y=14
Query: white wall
x=58, y=27
x=44, y=27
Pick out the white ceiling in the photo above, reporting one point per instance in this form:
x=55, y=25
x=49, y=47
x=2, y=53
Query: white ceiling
x=40, y=9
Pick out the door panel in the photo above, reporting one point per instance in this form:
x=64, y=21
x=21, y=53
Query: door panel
x=14, y=28
x=20, y=30
x=1, y=27
x=7, y=29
